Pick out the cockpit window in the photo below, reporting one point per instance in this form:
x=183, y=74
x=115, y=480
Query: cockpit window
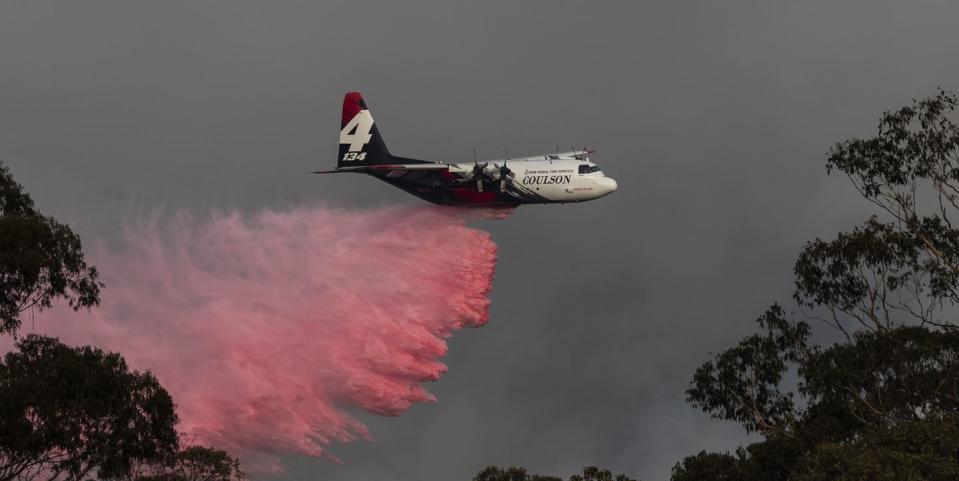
x=588, y=169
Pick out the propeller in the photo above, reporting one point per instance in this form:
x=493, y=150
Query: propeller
x=479, y=171
x=504, y=175
x=579, y=155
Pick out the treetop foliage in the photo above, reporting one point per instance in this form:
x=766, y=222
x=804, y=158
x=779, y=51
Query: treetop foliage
x=883, y=403
x=742, y=383
x=40, y=259
x=513, y=473
x=915, y=143
x=906, y=267
x=70, y=412
x=194, y=463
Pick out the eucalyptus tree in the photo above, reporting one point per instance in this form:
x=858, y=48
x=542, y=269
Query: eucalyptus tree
x=883, y=401
x=41, y=259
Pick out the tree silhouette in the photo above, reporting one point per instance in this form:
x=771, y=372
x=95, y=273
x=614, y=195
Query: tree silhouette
x=513, y=473
x=40, y=259
x=69, y=412
x=882, y=402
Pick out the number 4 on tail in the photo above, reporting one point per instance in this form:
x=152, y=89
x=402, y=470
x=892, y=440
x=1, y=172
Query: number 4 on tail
x=357, y=134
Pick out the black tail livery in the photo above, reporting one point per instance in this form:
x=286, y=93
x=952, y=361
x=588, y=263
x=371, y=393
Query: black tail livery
x=360, y=141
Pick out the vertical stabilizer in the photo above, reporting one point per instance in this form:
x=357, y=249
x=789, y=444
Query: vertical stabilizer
x=360, y=139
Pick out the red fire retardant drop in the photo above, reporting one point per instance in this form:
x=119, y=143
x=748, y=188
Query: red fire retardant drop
x=265, y=327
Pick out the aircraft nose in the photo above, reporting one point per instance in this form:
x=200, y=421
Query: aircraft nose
x=608, y=185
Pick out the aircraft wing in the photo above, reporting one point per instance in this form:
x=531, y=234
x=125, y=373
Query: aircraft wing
x=572, y=154
x=371, y=168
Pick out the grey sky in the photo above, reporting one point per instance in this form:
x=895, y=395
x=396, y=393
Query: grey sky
x=713, y=116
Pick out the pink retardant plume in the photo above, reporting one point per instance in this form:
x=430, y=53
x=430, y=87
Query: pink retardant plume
x=265, y=327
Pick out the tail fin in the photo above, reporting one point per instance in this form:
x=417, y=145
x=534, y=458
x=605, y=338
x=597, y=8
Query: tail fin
x=360, y=141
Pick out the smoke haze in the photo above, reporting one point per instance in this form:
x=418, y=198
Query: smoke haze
x=266, y=327
x=714, y=116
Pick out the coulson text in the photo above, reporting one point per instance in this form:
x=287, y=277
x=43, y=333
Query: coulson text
x=546, y=179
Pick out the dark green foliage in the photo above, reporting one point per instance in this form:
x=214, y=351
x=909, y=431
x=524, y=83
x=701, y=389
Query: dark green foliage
x=743, y=383
x=513, y=473
x=40, y=259
x=926, y=450
x=195, y=463
x=590, y=473
x=915, y=143
x=882, y=404
x=758, y=462
x=904, y=374
x=709, y=467
x=68, y=413
x=910, y=170
x=198, y=463
x=856, y=273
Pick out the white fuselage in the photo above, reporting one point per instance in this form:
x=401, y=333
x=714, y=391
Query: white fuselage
x=559, y=180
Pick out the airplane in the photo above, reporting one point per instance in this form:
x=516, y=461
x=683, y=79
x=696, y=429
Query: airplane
x=559, y=177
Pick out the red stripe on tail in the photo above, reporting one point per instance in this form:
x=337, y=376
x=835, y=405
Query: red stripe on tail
x=352, y=104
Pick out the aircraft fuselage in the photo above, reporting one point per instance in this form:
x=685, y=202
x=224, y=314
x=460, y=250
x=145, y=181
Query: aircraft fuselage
x=531, y=182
